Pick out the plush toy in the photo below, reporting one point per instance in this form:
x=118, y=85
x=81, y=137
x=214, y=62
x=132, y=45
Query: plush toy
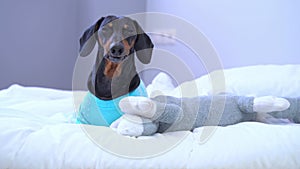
x=145, y=116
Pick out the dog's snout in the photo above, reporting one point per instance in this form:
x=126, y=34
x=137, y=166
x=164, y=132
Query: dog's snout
x=117, y=50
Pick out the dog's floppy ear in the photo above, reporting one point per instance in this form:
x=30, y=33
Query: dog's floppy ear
x=88, y=39
x=143, y=45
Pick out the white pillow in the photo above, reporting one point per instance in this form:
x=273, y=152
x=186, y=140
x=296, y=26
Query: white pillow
x=259, y=80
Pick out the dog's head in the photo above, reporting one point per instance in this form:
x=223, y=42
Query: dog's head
x=117, y=38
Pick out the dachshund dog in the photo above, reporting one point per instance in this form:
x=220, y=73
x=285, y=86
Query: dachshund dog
x=114, y=74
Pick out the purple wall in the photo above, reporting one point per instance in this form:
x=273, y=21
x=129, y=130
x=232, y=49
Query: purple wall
x=39, y=39
x=243, y=32
x=38, y=42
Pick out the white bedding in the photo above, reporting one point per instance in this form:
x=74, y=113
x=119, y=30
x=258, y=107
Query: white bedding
x=36, y=131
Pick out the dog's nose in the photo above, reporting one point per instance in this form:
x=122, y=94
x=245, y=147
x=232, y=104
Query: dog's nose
x=117, y=50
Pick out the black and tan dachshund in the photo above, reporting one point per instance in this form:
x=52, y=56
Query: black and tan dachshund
x=114, y=74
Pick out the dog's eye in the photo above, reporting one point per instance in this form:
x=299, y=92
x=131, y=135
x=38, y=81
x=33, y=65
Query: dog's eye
x=106, y=31
x=128, y=32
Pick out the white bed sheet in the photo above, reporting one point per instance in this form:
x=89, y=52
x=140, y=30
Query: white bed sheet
x=36, y=131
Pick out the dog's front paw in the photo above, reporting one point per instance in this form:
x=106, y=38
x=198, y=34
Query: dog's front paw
x=129, y=125
x=270, y=104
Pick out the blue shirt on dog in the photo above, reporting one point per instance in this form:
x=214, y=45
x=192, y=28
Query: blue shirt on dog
x=95, y=111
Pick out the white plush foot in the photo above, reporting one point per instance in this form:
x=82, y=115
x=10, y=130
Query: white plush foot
x=129, y=125
x=270, y=104
x=136, y=105
x=266, y=118
x=114, y=125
